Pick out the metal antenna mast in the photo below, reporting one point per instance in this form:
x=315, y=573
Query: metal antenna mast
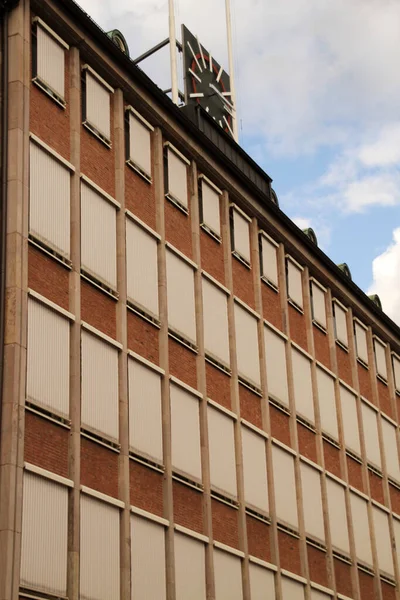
x=231, y=68
x=172, y=53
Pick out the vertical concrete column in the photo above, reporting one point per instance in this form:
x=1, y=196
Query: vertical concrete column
x=15, y=318
x=75, y=339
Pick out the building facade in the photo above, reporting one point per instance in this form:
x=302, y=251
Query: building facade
x=196, y=402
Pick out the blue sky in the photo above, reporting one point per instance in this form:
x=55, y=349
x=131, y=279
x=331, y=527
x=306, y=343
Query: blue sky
x=318, y=89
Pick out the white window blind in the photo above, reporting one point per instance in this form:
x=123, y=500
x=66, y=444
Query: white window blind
x=177, y=178
x=50, y=61
x=350, y=422
x=98, y=236
x=383, y=540
x=396, y=524
x=255, y=469
x=141, y=267
x=337, y=515
x=370, y=425
x=380, y=358
x=222, y=451
x=180, y=296
x=359, y=511
x=292, y=590
x=312, y=501
x=361, y=342
x=190, y=568
x=97, y=112
x=185, y=431
x=317, y=595
x=340, y=324
x=285, y=486
x=396, y=371
x=49, y=200
x=147, y=560
x=241, y=235
x=294, y=283
x=247, y=344
x=44, y=535
x=269, y=260
x=327, y=404
x=262, y=582
x=100, y=565
x=99, y=385
x=145, y=420
x=303, y=393
x=210, y=207
x=215, y=316
x=228, y=576
x=139, y=144
x=48, y=358
x=275, y=358
x=318, y=304
x=389, y=434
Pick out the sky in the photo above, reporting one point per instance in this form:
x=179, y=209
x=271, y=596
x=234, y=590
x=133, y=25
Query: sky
x=318, y=89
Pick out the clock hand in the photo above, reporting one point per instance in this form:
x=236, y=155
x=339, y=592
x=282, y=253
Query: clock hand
x=212, y=86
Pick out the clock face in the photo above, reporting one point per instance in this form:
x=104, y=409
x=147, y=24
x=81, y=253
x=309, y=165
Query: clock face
x=206, y=83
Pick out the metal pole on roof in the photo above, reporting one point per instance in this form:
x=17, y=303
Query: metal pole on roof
x=231, y=68
x=172, y=53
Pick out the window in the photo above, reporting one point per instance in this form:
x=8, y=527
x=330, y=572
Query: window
x=99, y=385
x=221, y=443
x=359, y=511
x=396, y=371
x=380, y=358
x=370, y=425
x=291, y=589
x=175, y=176
x=262, y=582
x=141, y=267
x=337, y=515
x=147, y=559
x=96, y=103
x=100, y=564
x=247, y=344
x=269, y=260
x=389, y=434
x=318, y=303
x=180, y=296
x=294, y=281
x=339, y=313
x=228, y=576
x=360, y=332
x=145, y=419
x=49, y=199
x=396, y=525
x=49, y=61
x=48, y=358
x=215, y=316
x=139, y=143
x=209, y=196
x=190, y=568
x=240, y=234
x=255, y=469
x=44, y=535
x=275, y=359
x=317, y=595
x=383, y=540
x=312, y=501
x=327, y=404
x=185, y=431
x=98, y=236
x=303, y=393
x=285, y=486
x=349, y=416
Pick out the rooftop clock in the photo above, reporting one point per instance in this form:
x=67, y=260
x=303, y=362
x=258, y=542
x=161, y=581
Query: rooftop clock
x=206, y=83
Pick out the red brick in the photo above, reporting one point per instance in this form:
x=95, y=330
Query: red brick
x=385, y=401
x=250, y=406
x=344, y=365
x=146, y=488
x=307, y=442
x=364, y=379
x=188, y=507
x=354, y=469
x=388, y=591
x=367, y=586
x=376, y=487
x=178, y=228
x=394, y=498
x=143, y=337
x=298, y=328
x=140, y=196
x=332, y=458
x=279, y=422
x=317, y=565
x=343, y=577
x=98, y=309
x=243, y=286
x=99, y=467
x=289, y=552
x=182, y=362
x=212, y=256
x=258, y=538
x=321, y=345
x=218, y=385
x=48, y=277
x=46, y=444
x=271, y=301
x=225, y=523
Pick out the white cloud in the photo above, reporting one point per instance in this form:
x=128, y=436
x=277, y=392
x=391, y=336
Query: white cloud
x=302, y=222
x=386, y=278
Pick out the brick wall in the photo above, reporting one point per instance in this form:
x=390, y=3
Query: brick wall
x=225, y=523
x=250, y=406
x=218, y=385
x=354, y=470
x=279, y=422
x=344, y=365
x=140, y=196
x=317, y=565
x=321, y=345
x=243, y=286
x=298, y=328
x=212, y=256
x=271, y=302
x=343, y=577
x=146, y=488
x=46, y=444
x=143, y=337
x=307, y=442
x=99, y=467
x=188, y=507
x=332, y=458
x=258, y=538
x=182, y=362
x=98, y=309
x=178, y=228
x=289, y=552
x=48, y=277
